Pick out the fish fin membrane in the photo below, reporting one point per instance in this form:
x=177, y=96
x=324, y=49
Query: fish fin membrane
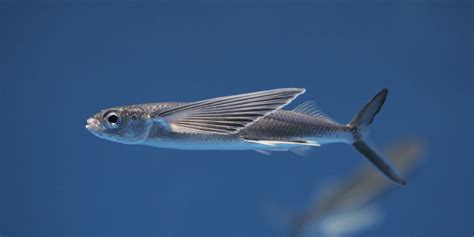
x=359, y=126
x=366, y=115
x=226, y=115
x=381, y=164
x=279, y=142
x=304, y=151
x=310, y=108
x=264, y=152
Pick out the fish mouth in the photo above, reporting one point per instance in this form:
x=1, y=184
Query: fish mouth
x=93, y=124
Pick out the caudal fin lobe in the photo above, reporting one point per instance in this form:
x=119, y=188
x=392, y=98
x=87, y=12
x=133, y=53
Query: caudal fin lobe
x=360, y=124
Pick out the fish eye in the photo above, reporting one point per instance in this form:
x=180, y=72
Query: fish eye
x=112, y=120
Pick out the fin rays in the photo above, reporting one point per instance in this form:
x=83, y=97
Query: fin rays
x=226, y=115
x=310, y=108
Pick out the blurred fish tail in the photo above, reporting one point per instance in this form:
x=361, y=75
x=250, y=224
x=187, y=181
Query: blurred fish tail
x=359, y=128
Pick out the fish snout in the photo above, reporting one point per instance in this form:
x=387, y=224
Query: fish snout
x=92, y=124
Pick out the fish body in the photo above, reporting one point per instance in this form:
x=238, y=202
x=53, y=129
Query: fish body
x=251, y=121
x=280, y=126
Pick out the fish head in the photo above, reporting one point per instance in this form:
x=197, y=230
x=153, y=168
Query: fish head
x=128, y=125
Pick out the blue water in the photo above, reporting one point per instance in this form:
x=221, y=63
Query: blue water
x=61, y=62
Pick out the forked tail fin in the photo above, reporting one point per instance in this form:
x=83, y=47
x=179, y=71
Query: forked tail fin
x=359, y=126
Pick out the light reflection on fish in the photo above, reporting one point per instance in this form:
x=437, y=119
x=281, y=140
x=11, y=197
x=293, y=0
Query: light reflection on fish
x=348, y=206
x=252, y=121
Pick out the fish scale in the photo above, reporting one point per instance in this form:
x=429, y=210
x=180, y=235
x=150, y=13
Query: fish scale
x=281, y=125
x=284, y=124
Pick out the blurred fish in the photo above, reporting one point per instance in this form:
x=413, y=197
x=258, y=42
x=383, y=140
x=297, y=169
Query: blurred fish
x=347, y=206
x=252, y=121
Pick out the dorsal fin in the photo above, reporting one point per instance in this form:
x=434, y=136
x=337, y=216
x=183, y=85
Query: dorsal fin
x=310, y=108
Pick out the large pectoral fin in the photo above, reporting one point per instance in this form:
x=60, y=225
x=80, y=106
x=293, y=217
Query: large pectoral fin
x=226, y=115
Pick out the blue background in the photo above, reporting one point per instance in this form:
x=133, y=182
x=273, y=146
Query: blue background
x=61, y=62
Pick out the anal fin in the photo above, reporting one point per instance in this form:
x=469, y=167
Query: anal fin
x=265, y=152
x=305, y=151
